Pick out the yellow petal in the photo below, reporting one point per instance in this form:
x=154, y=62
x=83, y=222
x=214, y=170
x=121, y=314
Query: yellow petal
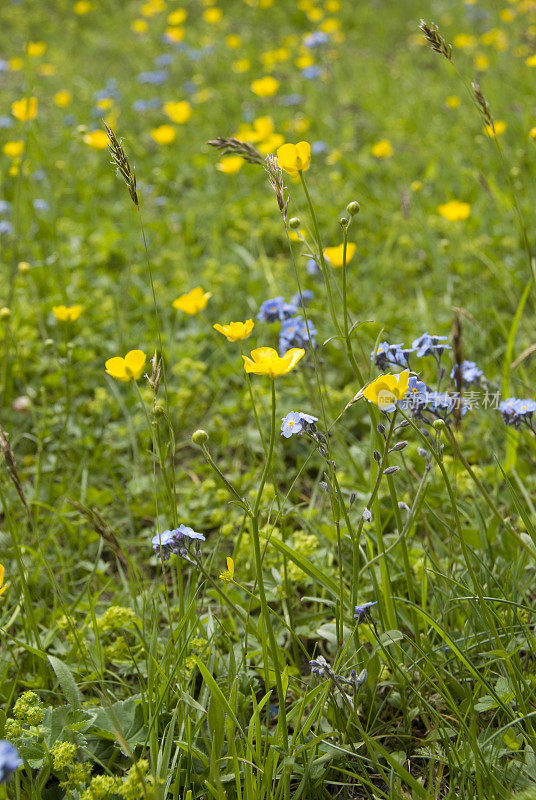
x=292, y=357
x=304, y=154
x=134, y=362
x=116, y=367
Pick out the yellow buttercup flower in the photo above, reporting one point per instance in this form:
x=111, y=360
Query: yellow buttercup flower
x=265, y=87
x=3, y=587
x=128, y=368
x=335, y=254
x=243, y=65
x=24, y=109
x=193, y=302
x=233, y=41
x=139, y=25
x=164, y=134
x=235, y=331
x=532, y=133
x=175, y=33
x=455, y=210
x=14, y=149
x=294, y=158
x=270, y=144
x=36, y=48
x=481, y=61
x=15, y=64
x=178, y=16
x=453, y=101
x=63, y=98
x=230, y=164
x=82, y=7
x=212, y=15
x=228, y=575
x=382, y=149
x=498, y=127
x=98, y=139
x=178, y=112
x=67, y=313
x=387, y=390
x=266, y=361
x=531, y=61
x=464, y=40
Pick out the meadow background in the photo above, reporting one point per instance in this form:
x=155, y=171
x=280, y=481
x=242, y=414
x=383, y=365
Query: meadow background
x=125, y=674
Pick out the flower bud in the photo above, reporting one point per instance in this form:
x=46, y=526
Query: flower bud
x=353, y=208
x=367, y=516
x=344, y=222
x=391, y=470
x=199, y=437
x=381, y=429
x=439, y=424
x=377, y=456
x=294, y=223
x=398, y=446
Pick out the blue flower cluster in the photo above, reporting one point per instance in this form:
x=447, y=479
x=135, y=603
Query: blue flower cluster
x=517, y=412
x=296, y=422
x=362, y=612
x=9, y=760
x=398, y=355
x=439, y=405
x=178, y=542
x=470, y=372
x=295, y=331
x=5, y=211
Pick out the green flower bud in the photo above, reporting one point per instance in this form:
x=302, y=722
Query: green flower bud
x=439, y=424
x=200, y=437
x=344, y=222
x=294, y=223
x=353, y=208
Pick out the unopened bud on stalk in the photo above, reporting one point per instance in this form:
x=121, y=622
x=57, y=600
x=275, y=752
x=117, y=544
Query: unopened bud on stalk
x=353, y=208
x=381, y=429
x=344, y=222
x=398, y=446
x=294, y=223
x=377, y=456
x=439, y=424
x=391, y=470
x=199, y=437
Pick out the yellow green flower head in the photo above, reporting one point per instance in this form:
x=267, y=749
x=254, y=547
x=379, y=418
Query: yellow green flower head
x=235, y=331
x=335, y=254
x=294, y=158
x=193, y=302
x=266, y=361
x=387, y=390
x=67, y=313
x=455, y=210
x=128, y=368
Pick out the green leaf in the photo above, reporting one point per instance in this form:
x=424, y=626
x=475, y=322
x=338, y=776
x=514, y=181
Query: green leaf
x=67, y=682
x=306, y=565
